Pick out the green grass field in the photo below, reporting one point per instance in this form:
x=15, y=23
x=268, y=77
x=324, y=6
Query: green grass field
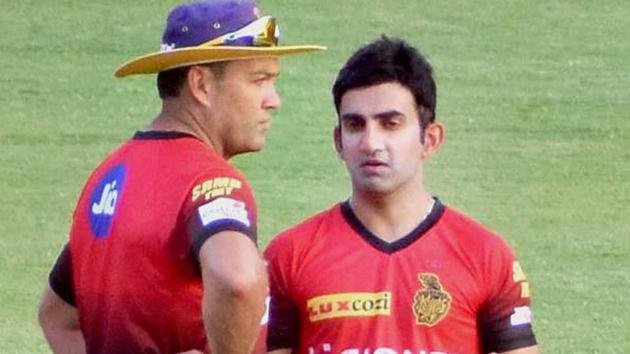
x=535, y=96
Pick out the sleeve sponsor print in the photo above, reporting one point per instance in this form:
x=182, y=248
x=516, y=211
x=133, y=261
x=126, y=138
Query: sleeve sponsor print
x=222, y=209
x=215, y=187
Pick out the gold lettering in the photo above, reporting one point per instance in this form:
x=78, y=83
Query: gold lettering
x=215, y=187
x=361, y=305
x=221, y=182
x=525, y=290
x=196, y=192
x=518, y=274
x=207, y=185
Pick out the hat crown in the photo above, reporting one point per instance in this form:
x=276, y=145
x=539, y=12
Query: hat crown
x=190, y=25
x=211, y=31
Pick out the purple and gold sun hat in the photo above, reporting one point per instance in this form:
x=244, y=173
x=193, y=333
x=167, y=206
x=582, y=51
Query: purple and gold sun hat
x=210, y=31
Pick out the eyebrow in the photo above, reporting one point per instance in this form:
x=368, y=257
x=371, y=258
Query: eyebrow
x=265, y=74
x=381, y=115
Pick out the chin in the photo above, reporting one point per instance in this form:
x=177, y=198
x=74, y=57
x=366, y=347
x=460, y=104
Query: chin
x=256, y=146
x=373, y=186
x=247, y=149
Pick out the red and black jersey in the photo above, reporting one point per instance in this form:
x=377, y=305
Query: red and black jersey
x=132, y=263
x=450, y=286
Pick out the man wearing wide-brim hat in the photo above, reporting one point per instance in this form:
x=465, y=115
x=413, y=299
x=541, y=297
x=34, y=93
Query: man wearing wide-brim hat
x=162, y=255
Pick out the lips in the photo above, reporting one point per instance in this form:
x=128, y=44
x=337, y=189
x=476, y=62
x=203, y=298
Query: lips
x=374, y=166
x=373, y=163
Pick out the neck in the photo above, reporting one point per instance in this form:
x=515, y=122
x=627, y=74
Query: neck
x=391, y=216
x=176, y=116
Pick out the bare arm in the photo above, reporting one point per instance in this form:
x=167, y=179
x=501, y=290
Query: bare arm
x=60, y=323
x=529, y=350
x=280, y=351
x=235, y=287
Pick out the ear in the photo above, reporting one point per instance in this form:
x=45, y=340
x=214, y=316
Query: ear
x=434, y=135
x=199, y=83
x=337, y=140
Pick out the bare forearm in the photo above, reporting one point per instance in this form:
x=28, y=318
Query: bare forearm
x=280, y=351
x=235, y=287
x=60, y=324
x=528, y=350
x=66, y=341
x=233, y=322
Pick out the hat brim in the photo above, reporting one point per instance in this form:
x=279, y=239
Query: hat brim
x=156, y=62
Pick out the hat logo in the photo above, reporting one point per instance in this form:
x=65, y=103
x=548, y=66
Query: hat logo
x=165, y=47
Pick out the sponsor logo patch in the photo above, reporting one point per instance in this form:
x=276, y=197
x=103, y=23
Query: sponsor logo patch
x=432, y=302
x=349, y=305
x=521, y=315
x=104, y=200
x=215, y=187
x=222, y=209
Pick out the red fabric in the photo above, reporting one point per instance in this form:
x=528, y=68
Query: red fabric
x=326, y=255
x=138, y=287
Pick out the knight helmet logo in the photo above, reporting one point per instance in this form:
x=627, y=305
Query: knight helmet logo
x=432, y=302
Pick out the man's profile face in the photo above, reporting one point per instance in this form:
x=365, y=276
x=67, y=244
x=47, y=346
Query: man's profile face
x=241, y=102
x=379, y=138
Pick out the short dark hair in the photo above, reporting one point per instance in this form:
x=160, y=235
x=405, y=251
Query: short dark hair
x=390, y=60
x=169, y=82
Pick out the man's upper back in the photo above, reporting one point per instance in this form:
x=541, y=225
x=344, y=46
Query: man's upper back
x=136, y=279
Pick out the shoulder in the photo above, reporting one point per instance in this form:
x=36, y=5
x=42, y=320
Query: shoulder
x=472, y=235
x=487, y=254
x=304, y=234
x=468, y=228
x=206, y=173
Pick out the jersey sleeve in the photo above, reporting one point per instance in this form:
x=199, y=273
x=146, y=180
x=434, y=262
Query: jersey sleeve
x=506, y=315
x=284, y=315
x=60, y=278
x=218, y=201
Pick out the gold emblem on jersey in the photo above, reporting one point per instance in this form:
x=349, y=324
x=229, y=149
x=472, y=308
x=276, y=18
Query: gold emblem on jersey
x=432, y=302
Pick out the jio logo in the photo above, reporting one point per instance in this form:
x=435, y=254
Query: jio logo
x=105, y=197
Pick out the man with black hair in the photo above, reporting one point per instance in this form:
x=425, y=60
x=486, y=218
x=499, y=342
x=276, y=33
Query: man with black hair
x=392, y=269
x=163, y=238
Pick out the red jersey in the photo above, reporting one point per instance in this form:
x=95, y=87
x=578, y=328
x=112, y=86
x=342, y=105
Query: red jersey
x=132, y=264
x=450, y=286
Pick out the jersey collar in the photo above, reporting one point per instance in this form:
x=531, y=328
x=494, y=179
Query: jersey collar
x=160, y=135
x=391, y=247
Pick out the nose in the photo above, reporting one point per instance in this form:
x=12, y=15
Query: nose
x=271, y=99
x=371, y=139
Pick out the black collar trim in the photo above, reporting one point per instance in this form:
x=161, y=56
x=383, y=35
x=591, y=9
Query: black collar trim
x=160, y=134
x=391, y=247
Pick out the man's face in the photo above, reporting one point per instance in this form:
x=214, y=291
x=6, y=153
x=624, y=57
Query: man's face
x=379, y=138
x=243, y=96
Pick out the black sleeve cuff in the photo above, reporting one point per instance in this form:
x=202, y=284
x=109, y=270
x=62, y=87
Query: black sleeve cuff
x=198, y=240
x=501, y=336
x=60, y=278
x=284, y=325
